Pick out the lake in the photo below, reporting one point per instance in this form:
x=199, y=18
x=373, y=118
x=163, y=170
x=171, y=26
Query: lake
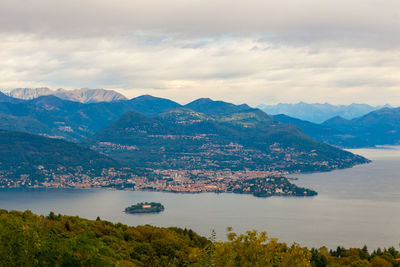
x=354, y=207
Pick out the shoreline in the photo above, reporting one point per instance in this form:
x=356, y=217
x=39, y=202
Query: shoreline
x=289, y=176
x=151, y=191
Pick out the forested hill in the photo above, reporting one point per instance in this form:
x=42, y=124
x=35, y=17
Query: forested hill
x=36, y=158
x=325, y=133
x=74, y=121
x=202, y=134
x=380, y=127
x=238, y=138
x=58, y=240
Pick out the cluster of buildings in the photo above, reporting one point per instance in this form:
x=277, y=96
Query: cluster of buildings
x=63, y=178
x=258, y=183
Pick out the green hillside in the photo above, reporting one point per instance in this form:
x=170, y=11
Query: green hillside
x=23, y=124
x=234, y=139
x=57, y=240
x=73, y=121
x=33, y=159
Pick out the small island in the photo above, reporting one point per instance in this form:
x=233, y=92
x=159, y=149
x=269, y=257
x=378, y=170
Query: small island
x=146, y=207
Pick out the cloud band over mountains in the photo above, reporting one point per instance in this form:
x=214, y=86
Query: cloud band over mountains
x=241, y=51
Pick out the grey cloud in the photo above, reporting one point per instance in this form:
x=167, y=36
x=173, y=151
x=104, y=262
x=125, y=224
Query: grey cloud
x=364, y=22
x=253, y=51
x=225, y=68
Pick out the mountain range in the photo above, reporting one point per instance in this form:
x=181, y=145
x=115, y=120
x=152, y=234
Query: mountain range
x=317, y=112
x=54, y=117
x=208, y=134
x=83, y=95
x=380, y=127
x=326, y=133
x=150, y=132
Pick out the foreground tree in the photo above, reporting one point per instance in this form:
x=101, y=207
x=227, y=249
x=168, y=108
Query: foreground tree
x=256, y=249
x=27, y=239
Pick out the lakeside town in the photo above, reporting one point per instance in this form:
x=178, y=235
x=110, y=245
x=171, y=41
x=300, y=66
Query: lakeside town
x=258, y=183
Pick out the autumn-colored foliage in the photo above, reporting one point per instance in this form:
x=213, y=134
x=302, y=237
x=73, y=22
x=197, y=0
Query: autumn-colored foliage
x=27, y=239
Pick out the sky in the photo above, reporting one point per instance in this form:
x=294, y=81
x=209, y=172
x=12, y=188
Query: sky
x=253, y=51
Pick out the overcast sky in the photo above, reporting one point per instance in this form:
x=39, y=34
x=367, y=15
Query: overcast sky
x=253, y=51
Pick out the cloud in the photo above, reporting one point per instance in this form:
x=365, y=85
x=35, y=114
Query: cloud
x=242, y=51
x=375, y=21
x=238, y=70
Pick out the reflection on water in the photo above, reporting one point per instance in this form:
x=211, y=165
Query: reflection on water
x=354, y=207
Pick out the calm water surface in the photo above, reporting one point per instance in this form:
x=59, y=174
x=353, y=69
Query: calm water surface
x=354, y=207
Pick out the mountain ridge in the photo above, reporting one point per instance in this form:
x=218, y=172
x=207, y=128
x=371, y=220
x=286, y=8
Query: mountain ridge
x=380, y=127
x=317, y=112
x=179, y=137
x=83, y=95
x=325, y=133
x=74, y=120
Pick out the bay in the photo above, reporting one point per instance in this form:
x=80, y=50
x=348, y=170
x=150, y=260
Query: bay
x=354, y=206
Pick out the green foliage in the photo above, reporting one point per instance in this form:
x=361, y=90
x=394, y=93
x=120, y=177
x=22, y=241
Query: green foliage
x=30, y=240
x=380, y=262
x=318, y=259
x=256, y=249
x=27, y=239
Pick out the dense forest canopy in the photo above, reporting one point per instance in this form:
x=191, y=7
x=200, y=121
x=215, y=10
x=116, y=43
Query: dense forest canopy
x=27, y=239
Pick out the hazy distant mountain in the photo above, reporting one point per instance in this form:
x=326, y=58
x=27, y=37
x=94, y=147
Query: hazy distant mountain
x=339, y=123
x=83, y=95
x=318, y=113
x=380, y=127
x=324, y=133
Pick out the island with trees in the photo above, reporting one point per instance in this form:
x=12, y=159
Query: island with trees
x=145, y=207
